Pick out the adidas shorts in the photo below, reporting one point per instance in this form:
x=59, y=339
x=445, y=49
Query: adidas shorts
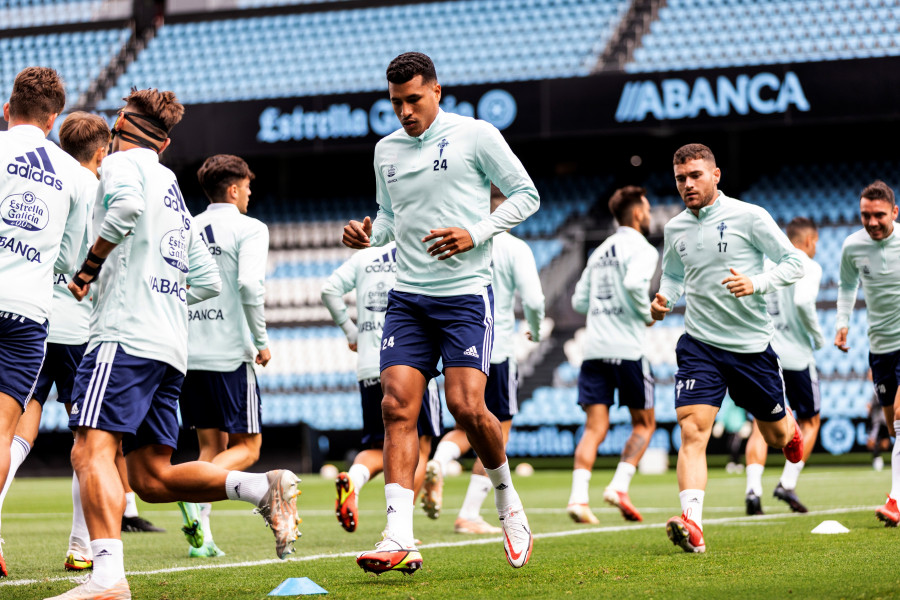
x=502, y=387
x=117, y=392
x=23, y=343
x=599, y=378
x=373, y=424
x=802, y=391
x=60, y=364
x=885, y=376
x=705, y=373
x=419, y=330
x=227, y=401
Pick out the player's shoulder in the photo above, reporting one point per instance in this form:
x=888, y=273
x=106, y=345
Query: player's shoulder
x=812, y=267
x=857, y=239
x=679, y=221
x=252, y=224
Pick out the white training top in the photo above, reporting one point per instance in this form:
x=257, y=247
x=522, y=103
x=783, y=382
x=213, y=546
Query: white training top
x=141, y=298
x=793, y=312
x=514, y=269
x=41, y=220
x=226, y=331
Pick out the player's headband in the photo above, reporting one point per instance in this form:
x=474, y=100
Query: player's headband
x=132, y=118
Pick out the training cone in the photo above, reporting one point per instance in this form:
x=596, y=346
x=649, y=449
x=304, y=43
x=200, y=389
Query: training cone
x=298, y=586
x=830, y=527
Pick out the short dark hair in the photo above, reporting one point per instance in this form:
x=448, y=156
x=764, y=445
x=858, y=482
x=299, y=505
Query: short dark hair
x=408, y=65
x=221, y=171
x=623, y=200
x=82, y=134
x=162, y=106
x=693, y=152
x=798, y=226
x=878, y=190
x=37, y=93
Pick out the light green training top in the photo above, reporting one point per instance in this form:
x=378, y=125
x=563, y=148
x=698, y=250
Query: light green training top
x=440, y=179
x=514, y=269
x=877, y=264
x=793, y=312
x=697, y=255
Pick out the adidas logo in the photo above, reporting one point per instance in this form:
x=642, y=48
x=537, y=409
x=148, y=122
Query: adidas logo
x=390, y=510
x=237, y=490
x=471, y=352
x=103, y=552
x=386, y=263
x=777, y=409
x=75, y=410
x=502, y=487
x=35, y=166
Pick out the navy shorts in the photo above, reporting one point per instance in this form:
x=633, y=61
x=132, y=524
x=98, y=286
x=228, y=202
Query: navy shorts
x=23, y=343
x=598, y=379
x=500, y=394
x=60, y=364
x=227, y=401
x=419, y=330
x=115, y=391
x=373, y=424
x=802, y=391
x=705, y=373
x=885, y=376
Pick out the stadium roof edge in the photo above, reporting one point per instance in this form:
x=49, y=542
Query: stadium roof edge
x=314, y=7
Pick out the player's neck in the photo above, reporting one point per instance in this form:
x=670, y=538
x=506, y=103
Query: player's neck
x=17, y=122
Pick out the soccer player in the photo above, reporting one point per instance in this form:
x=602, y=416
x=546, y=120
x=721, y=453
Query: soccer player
x=713, y=252
x=372, y=273
x=513, y=269
x=42, y=220
x=866, y=256
x=797, y=334
x=433, y=189
x=614, y=293
x=226, y=334
x=128, y=383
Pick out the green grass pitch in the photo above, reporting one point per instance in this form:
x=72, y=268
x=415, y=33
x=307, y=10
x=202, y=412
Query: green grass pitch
x=774, y=556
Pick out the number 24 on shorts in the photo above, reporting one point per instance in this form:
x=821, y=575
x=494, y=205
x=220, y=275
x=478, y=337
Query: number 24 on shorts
x=387, y=343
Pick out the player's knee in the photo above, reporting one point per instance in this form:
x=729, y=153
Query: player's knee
x=149, y=489
x=393, y=410
x=469, y=415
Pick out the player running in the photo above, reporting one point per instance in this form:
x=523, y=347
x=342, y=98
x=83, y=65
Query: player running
x=713, y=253
x=513, y=268
x=127, y=386
x=614, y=292
x=869, y=255
x=372, y=273
x=433, y=190
x=226, y=334
x=42, y=221
x=797, y=334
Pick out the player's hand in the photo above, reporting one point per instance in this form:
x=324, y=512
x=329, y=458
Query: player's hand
x=79, y=292
x=659, y=307
x=356, y=234
x=450, y=241
x=840, y=340
x=739, y=285
x=264, y=356
x=352, y=346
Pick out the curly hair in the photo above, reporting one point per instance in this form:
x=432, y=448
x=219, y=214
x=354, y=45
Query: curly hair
x=408, y=65
x=693, y=152
x=162, y=106
x=37, y=93
x=878, y=190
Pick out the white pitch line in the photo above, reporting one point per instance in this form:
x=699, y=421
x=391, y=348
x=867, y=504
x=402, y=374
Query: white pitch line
x=475, y=542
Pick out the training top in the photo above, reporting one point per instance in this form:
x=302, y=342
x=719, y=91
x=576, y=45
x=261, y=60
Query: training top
x=793, y=312
x=514, y=269
x=614, y=292
x=141, y=298
x=228, y=330
x=697, y=255
x=877, y=265
x=443, y=179
x=70, y=319
x=372, y=272
x=41, y=220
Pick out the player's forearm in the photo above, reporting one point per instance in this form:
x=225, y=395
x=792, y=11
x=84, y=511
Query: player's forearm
x=334, y=302
x=518, y=207
x=256, y=320
x=786, y=273
x=845, y=301
x=806, y=312
x=671, y=288
x=121, y=216
x=382, y=230
x=198, y=292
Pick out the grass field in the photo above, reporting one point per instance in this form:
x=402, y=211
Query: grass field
x=773, y=556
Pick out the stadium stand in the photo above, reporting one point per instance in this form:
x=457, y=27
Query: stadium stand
x=16, y=14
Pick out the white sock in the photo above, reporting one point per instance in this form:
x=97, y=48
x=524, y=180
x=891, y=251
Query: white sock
x=895, y=465
x=581, y=479
x=359, y=475
x=18, y=450
x=249, y=487
x=130, y=505
x=205, y=509
x=400, y=504
x=505, y=495
x=479, y=488
x=79, y=538
x=790, y=474
x=109, y=562
x=446, y=451
x=622, y=479
x=692, y=506
x=754, y=478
